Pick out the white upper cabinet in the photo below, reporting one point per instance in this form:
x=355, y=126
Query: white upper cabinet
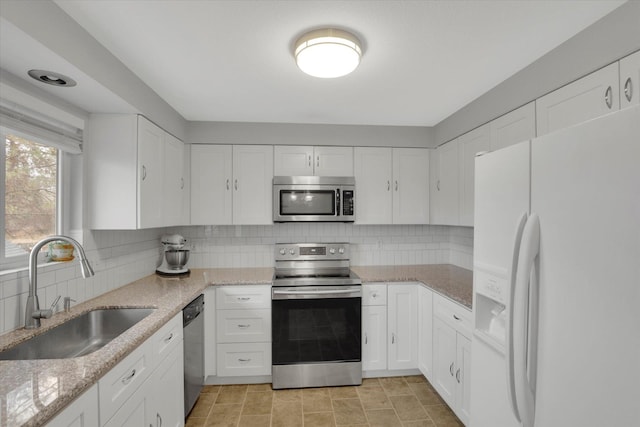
x=392, y=185
x=516, y=126
x=211, y=180
x=630, y=80
x=591, y=96
x=469, y=145
x=231, y=184
x=444, y=187
x=135, y=172
x=252, y=184
x=373, y=185
x=294, y=160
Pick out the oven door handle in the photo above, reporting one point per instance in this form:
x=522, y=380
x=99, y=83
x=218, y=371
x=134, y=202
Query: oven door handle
x=283, y=294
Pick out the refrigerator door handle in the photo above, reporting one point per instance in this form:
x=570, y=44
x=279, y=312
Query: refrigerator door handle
x=509, y=333
x=524, y=322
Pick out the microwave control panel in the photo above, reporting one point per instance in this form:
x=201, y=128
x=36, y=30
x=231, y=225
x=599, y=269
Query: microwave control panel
x=347, y=202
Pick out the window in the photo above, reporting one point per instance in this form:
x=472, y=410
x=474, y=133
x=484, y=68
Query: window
x=31, y=193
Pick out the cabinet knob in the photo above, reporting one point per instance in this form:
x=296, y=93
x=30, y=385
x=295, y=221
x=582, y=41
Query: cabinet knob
x=608, y=97
x=628, y=89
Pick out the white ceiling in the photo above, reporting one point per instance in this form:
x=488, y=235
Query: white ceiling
x=423, y=60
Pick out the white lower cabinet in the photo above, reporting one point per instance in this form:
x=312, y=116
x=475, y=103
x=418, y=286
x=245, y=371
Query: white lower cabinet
x=147, y=388
x=390, y=326
x=82, y=412
x=425, y=331
x=452, y=355
x=243, y=331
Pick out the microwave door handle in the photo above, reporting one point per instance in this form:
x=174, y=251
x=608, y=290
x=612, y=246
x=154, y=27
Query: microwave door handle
x=338, y=202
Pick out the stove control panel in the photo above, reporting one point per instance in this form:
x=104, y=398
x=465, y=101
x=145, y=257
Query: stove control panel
x=311, y=251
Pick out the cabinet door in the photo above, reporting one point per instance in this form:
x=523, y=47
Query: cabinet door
x=463, y=378
x=630, y=80
x=173, y=188
x=444, y=361
x=374, y=338
x=584, y=99
x=135, y=411
x=410, y=186
x=211, y=184
x=517, y=126
x=150, y=174
x=333, y=161
x=446, y=199
x=425, y=332
x=403, y=326
x=292, y=160
x=373, y=185
x=252, y=184
x=82, y=412
x=468, y=145
x=167, y=404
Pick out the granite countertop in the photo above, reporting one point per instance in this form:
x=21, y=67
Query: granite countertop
x=32, y=391
x=453, y=282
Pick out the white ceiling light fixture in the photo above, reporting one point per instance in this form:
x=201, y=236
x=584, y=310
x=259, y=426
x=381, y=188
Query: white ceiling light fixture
x=328, y=53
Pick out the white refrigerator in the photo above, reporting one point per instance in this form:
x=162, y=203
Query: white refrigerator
x=557, y=279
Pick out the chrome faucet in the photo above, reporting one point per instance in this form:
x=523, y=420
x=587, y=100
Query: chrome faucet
x=33, y=314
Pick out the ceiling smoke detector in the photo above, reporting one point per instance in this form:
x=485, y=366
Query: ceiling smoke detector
x=328, y=53
x=52, y=78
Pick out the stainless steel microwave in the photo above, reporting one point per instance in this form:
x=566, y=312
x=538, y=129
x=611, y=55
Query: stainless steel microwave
x=313, y=199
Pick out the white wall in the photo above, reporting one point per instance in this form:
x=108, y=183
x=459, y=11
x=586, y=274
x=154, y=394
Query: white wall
x=252, y=246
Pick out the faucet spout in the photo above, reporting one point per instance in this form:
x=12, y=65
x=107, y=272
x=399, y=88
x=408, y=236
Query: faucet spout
x=32, y=311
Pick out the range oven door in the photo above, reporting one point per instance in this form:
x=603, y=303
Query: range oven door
x=316, y=334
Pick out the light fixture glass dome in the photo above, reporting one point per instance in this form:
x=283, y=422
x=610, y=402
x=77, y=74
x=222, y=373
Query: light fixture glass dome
x=328, y=53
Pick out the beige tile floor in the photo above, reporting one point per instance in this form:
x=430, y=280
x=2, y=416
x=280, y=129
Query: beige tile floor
x=398, y=401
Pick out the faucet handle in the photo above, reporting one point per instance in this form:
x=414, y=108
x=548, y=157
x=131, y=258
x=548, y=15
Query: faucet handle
x=47, y=313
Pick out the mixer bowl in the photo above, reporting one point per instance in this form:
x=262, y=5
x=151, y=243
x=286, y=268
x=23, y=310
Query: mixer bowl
x=177, y=258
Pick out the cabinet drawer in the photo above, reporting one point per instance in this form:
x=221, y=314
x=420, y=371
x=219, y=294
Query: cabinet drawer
x=374, y=294
x=119, y=384
x=167, y=338
x=244, y=359
x=231, y=297
x=243, y=325
x=454, y=314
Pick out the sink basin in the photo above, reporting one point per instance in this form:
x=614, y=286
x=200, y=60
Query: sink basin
x=78, y=336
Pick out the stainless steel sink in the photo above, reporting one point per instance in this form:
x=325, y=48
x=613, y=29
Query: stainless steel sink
x=78, y=336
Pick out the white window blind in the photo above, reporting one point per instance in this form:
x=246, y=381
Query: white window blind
x=40, y=128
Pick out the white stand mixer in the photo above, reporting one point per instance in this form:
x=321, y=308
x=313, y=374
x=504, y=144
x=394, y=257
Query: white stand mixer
x=175, y=256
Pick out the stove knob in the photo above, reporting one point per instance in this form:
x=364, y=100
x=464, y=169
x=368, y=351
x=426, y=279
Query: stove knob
x=332, y=251
x=341, y=250
x=282, y=251
x=292, y=251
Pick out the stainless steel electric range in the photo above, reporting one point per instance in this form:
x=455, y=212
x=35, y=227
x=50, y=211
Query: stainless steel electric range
x=316, y=317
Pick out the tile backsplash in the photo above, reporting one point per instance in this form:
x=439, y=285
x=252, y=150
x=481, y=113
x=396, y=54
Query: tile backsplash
x=121, y=257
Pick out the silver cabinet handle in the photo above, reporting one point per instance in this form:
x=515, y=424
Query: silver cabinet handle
x=128, y=378
x=227, y=184
x=144, y=172
x=438, y=185
x=309, y=160
x=396, y=185
x=456, y=317
x=608, y=97
x=388, y=185
x=628, y=89
x=244, y=360
x=458, y=375
x=451, y=369
x=182, y=183
x=244, y=298
x=317, y=161
x=235, y=183
x=243, y=326
x=374, y=295
x=366, y=339
x=169, y=338
x=393, y=338
x=158, y=420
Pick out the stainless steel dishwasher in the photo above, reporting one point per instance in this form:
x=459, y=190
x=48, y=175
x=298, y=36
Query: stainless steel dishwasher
x=193, y=323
